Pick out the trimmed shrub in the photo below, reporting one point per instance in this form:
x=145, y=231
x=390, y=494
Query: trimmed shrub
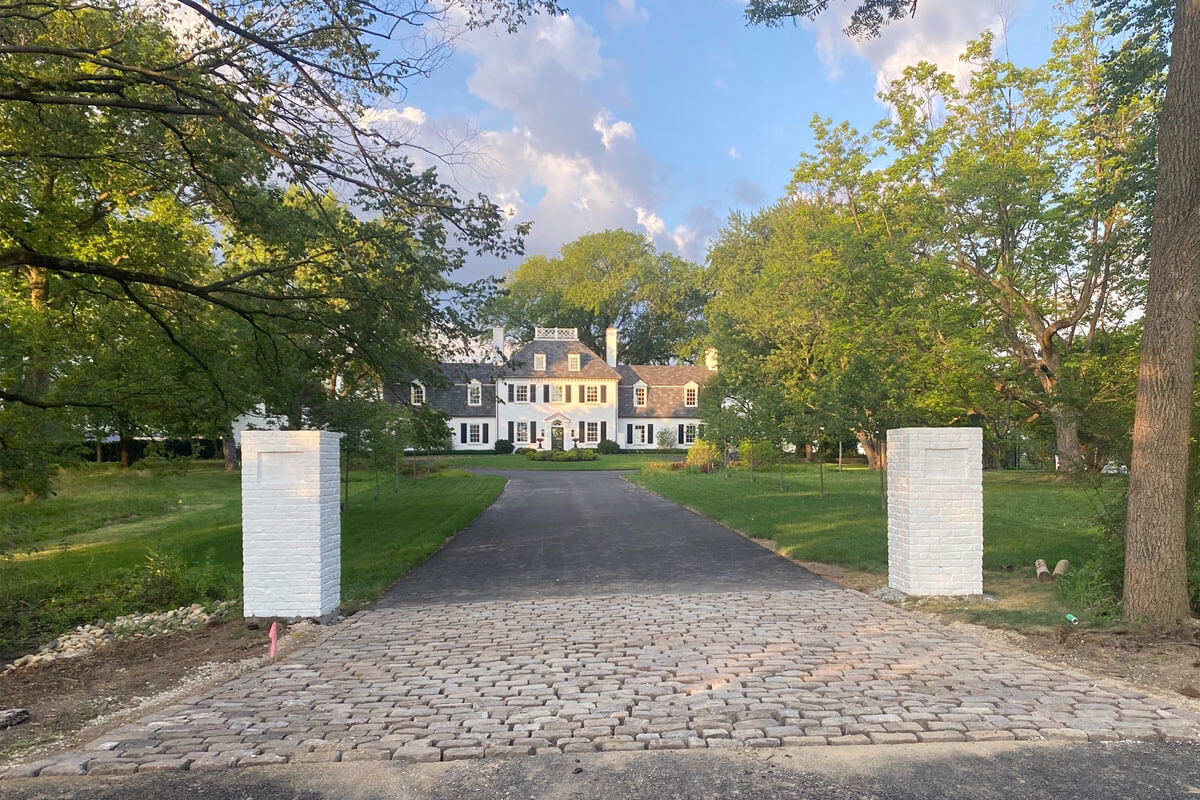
x=702, y=455
x=503, y=446
x=608, y=448
x=524, y=451
x=758, y=453
x=578, y=454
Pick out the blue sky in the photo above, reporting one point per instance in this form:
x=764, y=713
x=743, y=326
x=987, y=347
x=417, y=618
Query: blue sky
x=664, y=116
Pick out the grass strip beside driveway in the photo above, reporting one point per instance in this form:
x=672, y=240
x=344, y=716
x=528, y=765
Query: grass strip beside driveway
x=114, y=542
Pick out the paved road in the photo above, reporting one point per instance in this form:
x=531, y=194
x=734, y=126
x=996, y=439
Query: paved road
x=581, y=614
x=554, y=534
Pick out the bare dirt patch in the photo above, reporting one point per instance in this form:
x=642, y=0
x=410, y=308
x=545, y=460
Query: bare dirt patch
x=74, y=700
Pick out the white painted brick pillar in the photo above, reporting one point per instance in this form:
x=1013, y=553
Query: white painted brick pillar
x=935, y=510
x=291, y=523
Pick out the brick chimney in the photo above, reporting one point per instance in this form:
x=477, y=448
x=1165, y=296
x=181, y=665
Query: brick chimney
x=610, y=346
x=498, y=344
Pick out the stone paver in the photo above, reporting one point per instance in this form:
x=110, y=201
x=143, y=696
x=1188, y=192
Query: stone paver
x=513, y=678
x=620, y=658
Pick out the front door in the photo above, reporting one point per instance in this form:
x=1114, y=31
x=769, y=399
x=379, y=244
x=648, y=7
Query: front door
x=556, y=437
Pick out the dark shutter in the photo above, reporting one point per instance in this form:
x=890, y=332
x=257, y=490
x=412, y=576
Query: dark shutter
x=510, y=393
x=603, y=393
x=511, y=438
x=462, y=433
x=485, y=427
x=582, y=394
x=568, y=392
x=533, y=432
x=533, y=392
x=582, y=430
x=628, y=435
x=650, y=434
x=603, y=430
x=680, y=439
x=546, y=393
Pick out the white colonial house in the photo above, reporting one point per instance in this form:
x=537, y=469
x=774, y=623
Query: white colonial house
x=555, y=393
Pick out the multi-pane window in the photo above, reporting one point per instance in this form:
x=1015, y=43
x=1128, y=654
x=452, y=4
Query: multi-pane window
x=573, y=362
x=592, y=432
x=522, y=393
x=689, y=396
x=639, y=434
x=639, y=396
x=473, y=434
x=539, y=361
x=689, y=434
x=418, y=394
x=591, y=394
x=522, y=432
x=556, y=394
x=475, y=395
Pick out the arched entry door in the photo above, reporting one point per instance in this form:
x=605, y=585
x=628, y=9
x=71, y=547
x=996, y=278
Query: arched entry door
x=556, y=436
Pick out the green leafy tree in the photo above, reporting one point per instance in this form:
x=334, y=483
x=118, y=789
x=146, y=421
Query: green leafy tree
x=611, y=279
x=167, y=221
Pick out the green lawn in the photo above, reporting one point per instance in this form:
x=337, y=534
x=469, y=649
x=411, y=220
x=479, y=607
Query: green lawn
x=1026, y=515
x=111, y=542
x=514, y=461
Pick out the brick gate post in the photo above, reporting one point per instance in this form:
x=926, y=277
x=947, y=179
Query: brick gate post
x=291, y=523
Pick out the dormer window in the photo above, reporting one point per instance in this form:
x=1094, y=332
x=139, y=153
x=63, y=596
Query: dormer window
x=539, y=361
x=691, y=394
x=573, y=362
x=475, y=394
x=417, y=394
x=639, y=396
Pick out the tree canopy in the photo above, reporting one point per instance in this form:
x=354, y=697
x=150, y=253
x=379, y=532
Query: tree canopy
x=199, y=210
x=615, y=278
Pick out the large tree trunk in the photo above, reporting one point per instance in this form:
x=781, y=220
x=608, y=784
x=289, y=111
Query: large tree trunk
x=876, y=453
x=233, y=462
x=1155, y=546
x=1066, y=433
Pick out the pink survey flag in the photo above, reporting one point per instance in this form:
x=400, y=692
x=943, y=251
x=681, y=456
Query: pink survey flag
x=274, y=634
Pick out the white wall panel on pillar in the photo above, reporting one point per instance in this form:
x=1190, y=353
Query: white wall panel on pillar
x=935, y=511
x=291, y=523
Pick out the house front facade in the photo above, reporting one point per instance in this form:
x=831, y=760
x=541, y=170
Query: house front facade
x=556, y=393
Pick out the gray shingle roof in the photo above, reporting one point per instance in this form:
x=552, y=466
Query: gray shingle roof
x=452, y=399
x=664, y=395
x=520, y=364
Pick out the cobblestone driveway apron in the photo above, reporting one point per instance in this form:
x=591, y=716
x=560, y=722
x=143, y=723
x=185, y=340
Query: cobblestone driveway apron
x=581, y=613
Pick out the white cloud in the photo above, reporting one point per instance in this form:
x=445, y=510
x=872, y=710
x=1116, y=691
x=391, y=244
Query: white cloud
x=625, y=11
x=936, y=34
x=611, y=131
x=554, y=87
x=380, y=117
x=734, y=152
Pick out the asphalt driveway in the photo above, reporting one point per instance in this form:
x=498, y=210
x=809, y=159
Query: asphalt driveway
x=558, y=534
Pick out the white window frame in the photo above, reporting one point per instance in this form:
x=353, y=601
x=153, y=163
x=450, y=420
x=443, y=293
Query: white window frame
x=689, y=434
x=521, y=388
x=417, y=394
x=522, y=433
x=591, y=394
x=474, y=433
x=639, y=435
x=573, y=362
x=539, y=362
x=557, y=393
x=591, y=432
x=691, y=396
x=640, y=393
x=475, y=393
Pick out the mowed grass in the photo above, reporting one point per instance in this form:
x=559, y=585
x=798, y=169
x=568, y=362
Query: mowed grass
x=1026, y=516
x=514, y=461
x=112, y=542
